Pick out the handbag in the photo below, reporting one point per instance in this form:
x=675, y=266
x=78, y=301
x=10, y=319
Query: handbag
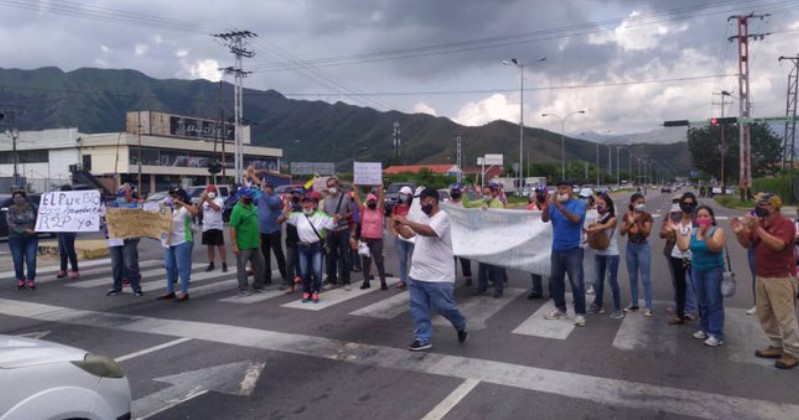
x=325, y=247
x=598, y=240
x=728, y=278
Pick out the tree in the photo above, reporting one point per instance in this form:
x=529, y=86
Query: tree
x=704, y=144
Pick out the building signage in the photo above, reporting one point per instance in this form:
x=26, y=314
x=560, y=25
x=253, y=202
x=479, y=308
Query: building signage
x=203, y=129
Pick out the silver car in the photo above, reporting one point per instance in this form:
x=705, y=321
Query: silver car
x=45, y=380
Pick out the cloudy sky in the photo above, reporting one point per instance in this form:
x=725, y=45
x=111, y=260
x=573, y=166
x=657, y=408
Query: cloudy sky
x=630, y=64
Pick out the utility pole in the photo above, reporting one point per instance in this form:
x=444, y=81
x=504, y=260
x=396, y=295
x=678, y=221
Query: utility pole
x=11, y=112
x=789, y=140
x=618, y=167
x=745, y=161
x=597, y=164
x=236, y=42
x=397, y=141
x=138, y=179
x=459, y=156
x=723, y=142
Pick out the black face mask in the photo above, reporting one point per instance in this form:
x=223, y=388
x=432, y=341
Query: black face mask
x=372, y=205
x=761, y=212
x=687, y=208
x=455, y=195
x=427, y=209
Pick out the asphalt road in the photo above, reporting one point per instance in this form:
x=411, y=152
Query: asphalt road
x=268, y=356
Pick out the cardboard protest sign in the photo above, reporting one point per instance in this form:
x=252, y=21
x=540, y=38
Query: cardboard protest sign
x=367, y=173
x=69, y=211
x=135, y=223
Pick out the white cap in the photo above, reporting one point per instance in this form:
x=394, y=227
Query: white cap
x=406, y=190
x=586, y=192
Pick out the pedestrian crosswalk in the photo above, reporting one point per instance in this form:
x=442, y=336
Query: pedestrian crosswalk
x=634, y=333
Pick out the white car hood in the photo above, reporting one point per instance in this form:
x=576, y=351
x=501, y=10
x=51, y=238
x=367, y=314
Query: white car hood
x=17, y=352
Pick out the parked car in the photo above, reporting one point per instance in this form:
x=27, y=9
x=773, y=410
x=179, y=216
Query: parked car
x=45, y=380
x=392, y=194
x=666, y=189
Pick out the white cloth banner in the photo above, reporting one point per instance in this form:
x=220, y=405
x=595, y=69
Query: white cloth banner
x=69, y=211
x=516, y=239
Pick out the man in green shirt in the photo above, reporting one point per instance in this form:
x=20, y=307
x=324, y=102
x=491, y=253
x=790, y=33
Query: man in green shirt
x=246, y=240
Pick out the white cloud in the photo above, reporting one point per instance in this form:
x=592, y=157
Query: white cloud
x=140, y=49
x=204, y=69
x=423, y=108
x=182, y=53
x=634, y=33
x=494, y=107
x=105, y=49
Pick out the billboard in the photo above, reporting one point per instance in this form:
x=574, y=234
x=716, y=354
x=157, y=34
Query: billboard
x=204, y=129
x=310, y=168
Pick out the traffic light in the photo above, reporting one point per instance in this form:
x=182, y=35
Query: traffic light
x=725, y=120
x=214, y=167
x=675, y=123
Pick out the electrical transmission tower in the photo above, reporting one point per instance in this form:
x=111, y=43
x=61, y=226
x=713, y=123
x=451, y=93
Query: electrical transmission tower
x=397, y=141
x=789, y=140
x=237, y=42
x=745, y=162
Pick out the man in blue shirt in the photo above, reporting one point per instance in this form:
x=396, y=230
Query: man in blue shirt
x=270, y=207
x=567, y=215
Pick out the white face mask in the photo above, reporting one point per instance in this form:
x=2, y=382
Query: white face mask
x=640, y=207
x=676, y=208
x=563, y=198
x=332, y=190
x=308, y=212
x=211, y=195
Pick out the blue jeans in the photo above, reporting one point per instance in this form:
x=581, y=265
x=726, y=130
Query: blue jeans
x=404, y=253
x=311, y=267
x=711, y=303
x=125, y=264
x=66, y=250
x=639, y=257
x=439, y=295
x=611, y=262
x=568, y=261
x=538, y=284
x=178, y=262
x=23, y=249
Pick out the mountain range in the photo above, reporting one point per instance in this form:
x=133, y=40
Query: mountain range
x=96, y=100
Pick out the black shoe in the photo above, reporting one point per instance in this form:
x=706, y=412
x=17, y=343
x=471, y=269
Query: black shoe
x=365, y=286
x=479, y=292
x=356, y=270
x=166, y=296
x=534, y=295
x=383, y=286
x=210, y=267
x=498, y=294
x=462, y=336
x=113, y=292
x=418, y=346
x=224, y=267
x=138, y=293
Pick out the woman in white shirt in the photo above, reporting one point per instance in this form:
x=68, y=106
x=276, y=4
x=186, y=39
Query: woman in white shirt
x=178, y=244
x=606, y=258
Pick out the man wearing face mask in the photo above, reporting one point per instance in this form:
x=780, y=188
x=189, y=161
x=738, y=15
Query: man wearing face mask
x=432, y=273
x=213, y=236
x=339, y=262
x=124, y=252
x=772, y=235
x=567, y=216
x=244, y=236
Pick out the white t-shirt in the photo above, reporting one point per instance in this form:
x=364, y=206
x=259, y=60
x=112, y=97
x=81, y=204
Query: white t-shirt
x=212, y=219
x=181, y=227
x=432, y=256
x=685, y=229
x=612, y=234
x=305, y=231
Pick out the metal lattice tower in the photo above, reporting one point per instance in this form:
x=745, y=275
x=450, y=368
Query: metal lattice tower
x=459, y=157
x=745, y=158
x=789, y=140
x=237, y=42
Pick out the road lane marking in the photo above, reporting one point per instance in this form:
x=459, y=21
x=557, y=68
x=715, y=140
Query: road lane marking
x=336, y=296
x=85, y=284
x=388, y=308
x=681, y=401
x=536, y=325
x=479, y=309
x=152, y=349
x=447, y=404
x=53, y=268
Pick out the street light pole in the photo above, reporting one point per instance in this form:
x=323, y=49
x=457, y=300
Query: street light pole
x=563, y=138
x=597, y=164
x=520, y=66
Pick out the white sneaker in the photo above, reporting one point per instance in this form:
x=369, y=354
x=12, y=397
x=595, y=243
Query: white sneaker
x=579, y=321
x=590, y=290
x=752, y=311
x=713, y=342
x=556, y=314
x=700, y=335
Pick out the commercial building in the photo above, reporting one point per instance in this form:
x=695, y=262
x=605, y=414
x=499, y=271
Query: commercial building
x=164, y=148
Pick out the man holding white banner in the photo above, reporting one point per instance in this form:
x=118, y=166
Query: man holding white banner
x=567, y=215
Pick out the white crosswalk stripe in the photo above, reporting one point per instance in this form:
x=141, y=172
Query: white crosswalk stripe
x=478, y=310
x=537, y=326
x=388, y=308
x=108, y=280
x=53, y=268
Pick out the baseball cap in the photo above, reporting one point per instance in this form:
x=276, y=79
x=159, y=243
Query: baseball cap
x=406, y=190
x=371, y=197
x=586, y=192
x=314, y=195
x=211, y=188
x=456, y=187
x=769, y=198
x=246, y=192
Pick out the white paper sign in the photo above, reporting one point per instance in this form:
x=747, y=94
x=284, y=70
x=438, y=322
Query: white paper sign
x=69, y=211
x=367, y=173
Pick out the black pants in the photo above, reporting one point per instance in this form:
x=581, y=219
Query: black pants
x=339, y=260
x=292, y=262
x=466, y=267
x=66, y=250
x=680, y=270
x=271, y=241
x=376, y=249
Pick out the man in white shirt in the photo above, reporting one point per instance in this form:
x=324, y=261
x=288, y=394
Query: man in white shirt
x=212, y=206
x=432, y=272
